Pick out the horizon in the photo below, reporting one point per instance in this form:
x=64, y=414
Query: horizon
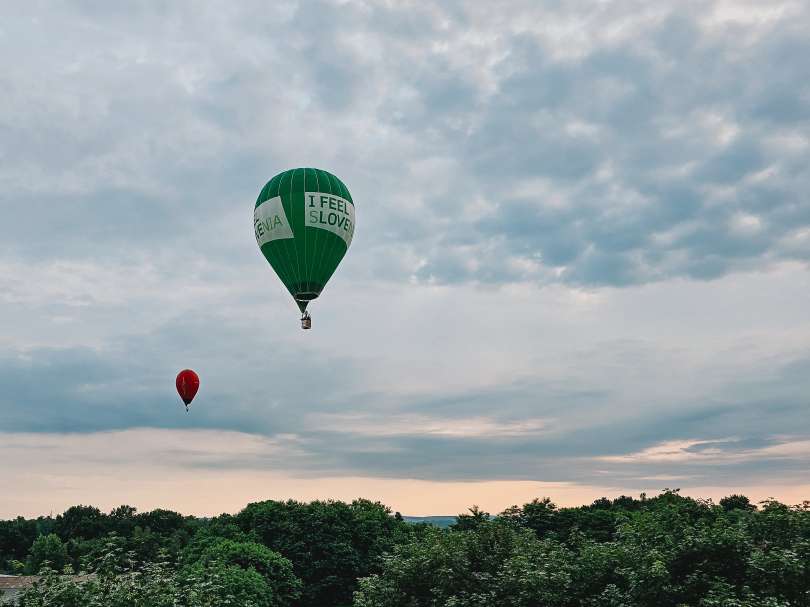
x=580, y=264
x=492, y=512
x=411, y=492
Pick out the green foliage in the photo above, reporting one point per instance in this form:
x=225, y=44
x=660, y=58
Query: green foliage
x=46, y=550
x=53, y=590
x=227, y=577
x=541, y=516
x=668, y=551
x=473, y=520
x=330, y=543
x=162, y=522
x=154, y=585
x=282, y=586
x=16, y=537
x=736, y=502
x=210, y=534
x=80, y=522
x=664, y=551
x=491, y=564
x=233, y=585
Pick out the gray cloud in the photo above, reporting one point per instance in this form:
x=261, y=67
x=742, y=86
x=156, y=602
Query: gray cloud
x=590, y=424
x=118, y=131
x=588, y=151
x=129, y=382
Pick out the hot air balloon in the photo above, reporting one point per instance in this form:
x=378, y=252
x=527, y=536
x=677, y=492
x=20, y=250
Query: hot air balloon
x=187, y=382
x=304, y=224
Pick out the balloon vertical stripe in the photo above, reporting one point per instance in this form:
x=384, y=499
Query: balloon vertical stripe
x=304, y=221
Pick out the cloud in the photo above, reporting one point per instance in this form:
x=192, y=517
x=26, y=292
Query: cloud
x=177, y=469
x=647, y=161
x=406, y=425
x=648, y=127
x=581, y=253
x=616, y=372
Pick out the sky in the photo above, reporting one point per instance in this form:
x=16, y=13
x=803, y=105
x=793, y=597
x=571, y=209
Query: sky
x=580, y=267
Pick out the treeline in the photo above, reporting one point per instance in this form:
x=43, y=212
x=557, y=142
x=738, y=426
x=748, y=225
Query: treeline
x=665, y=551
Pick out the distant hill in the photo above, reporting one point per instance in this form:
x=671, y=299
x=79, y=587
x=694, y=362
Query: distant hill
x=438, y=521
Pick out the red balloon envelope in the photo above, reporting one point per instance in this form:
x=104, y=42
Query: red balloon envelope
x=187, y=385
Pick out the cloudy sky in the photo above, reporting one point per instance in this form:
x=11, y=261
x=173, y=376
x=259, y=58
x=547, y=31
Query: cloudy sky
x=580, y=265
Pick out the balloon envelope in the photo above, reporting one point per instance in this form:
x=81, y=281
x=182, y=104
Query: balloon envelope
x=187, y=383
x=304, y=224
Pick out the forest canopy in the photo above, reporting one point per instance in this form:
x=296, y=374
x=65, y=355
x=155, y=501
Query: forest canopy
x=662, y=551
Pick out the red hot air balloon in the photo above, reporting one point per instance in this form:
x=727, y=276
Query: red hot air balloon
x=187, y=385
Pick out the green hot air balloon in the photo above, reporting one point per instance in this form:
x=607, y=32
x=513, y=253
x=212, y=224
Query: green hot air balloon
x=304, y=224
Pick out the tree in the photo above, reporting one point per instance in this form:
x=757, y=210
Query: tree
x=736, y=502
x=122, y=520
x=46, y=550
x=16, y=537
x=330, y=543
x=232, y=585
x=85, y=522
x=664, y=551
x=52, y=590
x=627, y=503
x=164, y=522
x=277, y=571
x=540, y=516
x=473, y=520
x=489, y=565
